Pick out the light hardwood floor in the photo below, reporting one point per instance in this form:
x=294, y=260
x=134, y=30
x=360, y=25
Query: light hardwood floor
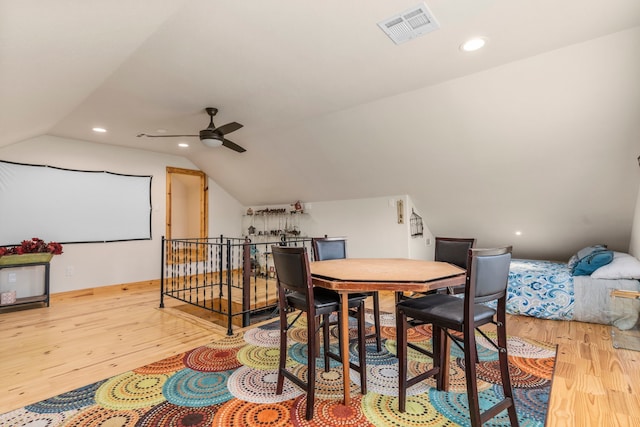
x=90, y=335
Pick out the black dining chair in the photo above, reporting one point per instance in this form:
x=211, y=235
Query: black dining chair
x=454, y=250
x=486, y=281
x=326, y=248
x=296, y=291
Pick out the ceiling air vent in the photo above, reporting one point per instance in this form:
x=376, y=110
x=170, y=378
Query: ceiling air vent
x=409, y=24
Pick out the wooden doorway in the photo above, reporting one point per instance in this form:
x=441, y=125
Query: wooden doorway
x=187, y=204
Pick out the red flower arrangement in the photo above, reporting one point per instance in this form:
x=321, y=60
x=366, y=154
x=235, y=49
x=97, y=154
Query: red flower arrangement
x=33, y=246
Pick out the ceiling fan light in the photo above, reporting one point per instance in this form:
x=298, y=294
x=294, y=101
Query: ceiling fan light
x=212, y=142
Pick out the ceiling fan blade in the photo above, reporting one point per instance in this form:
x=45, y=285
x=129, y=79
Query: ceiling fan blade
x=228, y=128
x=162, y=136
x=233, y=146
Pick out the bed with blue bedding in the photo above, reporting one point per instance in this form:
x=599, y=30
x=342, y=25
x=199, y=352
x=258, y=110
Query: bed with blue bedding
x=549, y=290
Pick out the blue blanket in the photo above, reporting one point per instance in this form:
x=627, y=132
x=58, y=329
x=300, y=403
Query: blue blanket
x=542, y=289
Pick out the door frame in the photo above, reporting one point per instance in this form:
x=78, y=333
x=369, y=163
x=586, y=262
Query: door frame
x=204, y=200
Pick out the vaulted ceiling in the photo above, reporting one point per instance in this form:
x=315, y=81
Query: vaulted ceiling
x=536, y=132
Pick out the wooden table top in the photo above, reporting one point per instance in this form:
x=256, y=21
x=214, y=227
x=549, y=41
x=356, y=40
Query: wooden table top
x=384, y=274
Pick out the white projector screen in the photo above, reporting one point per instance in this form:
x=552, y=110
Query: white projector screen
x=72, y=206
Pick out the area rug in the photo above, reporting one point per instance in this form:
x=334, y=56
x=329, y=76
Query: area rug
x=232, y=382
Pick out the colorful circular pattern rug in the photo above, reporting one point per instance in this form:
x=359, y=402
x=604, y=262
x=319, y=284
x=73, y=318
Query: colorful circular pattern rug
x=209, y=359
x=328, y=384
x=232, y=382
x=164, y=366
x=386, y=318
x=98, y=416
x=388, y=332
x=195, y=389
x=412, y=354
x=298, y=353
x=383, y=379
x=455, y=406
x=484, y=353
x=542, y=368
x=232, y=341
x=259, y=386
x=263, y=337
x=517, y=346
x=23, y=417
x=260, y=357
x=240, y=413
x=327, y=413
x=75, y=399
x=298, y=335
x=374, y=357
x=530, y=401
x=414, y=334
x=490, y=372
x=383, y=411
x=169, y=415
x=131, y=391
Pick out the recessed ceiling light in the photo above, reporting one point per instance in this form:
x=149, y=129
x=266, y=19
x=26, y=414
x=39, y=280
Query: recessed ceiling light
x=473, y=44
x=518, y=233
x=183, y=145
x=99, y=130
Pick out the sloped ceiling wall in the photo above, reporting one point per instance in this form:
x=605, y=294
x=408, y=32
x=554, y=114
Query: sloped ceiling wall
x=537, y=133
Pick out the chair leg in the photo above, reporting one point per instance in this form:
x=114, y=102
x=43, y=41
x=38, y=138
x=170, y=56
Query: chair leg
x=504, y=364
x=376, y=320
x=362, y=349
x=283, y=351
x=317, y=336
x=311, y=365
x=440, y=351
x=470, y=355
x=325, y=341
x=401, y=344
x=506, y=387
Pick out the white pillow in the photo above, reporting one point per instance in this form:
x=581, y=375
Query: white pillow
x=623, y=266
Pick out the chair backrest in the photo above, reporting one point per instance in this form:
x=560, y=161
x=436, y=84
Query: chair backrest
x=292, y=269
x=487, y=274
x=326, y=248
x=453, y=250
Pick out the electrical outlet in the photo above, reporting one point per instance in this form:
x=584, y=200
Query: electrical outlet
x=12, y=277
x=69, y=271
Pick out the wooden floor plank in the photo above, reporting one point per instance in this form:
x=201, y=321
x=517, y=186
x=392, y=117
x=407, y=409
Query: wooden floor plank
x=86, y=337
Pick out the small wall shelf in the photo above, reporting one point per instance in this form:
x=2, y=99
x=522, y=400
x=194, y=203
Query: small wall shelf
x=272, y=224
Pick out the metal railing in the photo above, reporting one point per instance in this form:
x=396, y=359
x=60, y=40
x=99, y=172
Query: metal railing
x=232, y=277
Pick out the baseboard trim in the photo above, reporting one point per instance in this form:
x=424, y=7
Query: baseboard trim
x=109, y=289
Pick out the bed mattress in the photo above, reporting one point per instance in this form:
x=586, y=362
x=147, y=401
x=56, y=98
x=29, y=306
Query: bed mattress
x=547, y=290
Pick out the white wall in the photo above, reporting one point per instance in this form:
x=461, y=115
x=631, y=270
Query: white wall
x=421, y=247
x=225, y=212
x=634, y=246
x=370, y=225
x=100, y=264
